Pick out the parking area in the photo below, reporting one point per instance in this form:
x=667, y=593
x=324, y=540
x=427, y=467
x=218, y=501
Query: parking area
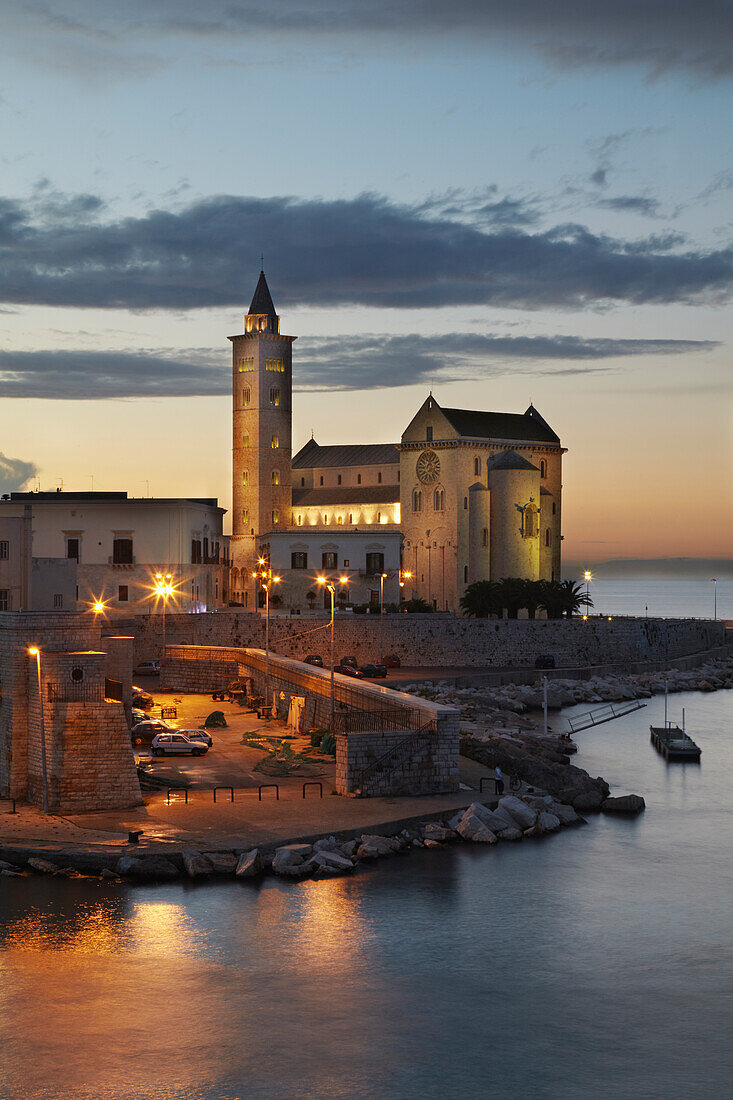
x=249, y=751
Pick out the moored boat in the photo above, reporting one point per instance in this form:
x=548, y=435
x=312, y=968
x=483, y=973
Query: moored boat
x=673, y=743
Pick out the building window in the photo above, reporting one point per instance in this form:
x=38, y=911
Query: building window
x=398, y=476
x=325, y=520
x=553, y=507
x=122, y=552
x=429, y=433
x=358, y=479
x=379, y=478
x=375, y=563
x=246, y=396
x=477, y=467
x=72, y=549
x=275, y=364
x=58, y=601
x=485, y=537
x=351, y=517
x=529, y=526
x=439, y=500
x=195, y=551
x=340, y=521
x=339, y=479
x=465, y=504
x=245, y=363
x=299, y=559
x=320, y=480
x=543, y=468
x=275, y=442
x=346, y=563
x=122, y=594
x=275, y=395
x=300, y=521
x=329, y=559
x=5, y=551
x=245, y=516
x=275, y=517
x=275, y=477
x=547, y=537
x=245, y=477
x=4, y=600
x=465, y=574
x=417, y=500
x=379, y=517
x=245, y=439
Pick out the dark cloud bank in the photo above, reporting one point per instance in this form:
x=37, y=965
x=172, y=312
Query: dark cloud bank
x=657, y=35
x=364, y=251
x=335, y=363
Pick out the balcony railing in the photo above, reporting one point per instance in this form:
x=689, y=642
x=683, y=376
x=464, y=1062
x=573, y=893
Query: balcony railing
x=75, y=693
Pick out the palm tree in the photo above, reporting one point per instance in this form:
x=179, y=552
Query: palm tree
x=481, y=600
x=532, y=593
x=552, y=599
x=573, y=598
x=510, y=594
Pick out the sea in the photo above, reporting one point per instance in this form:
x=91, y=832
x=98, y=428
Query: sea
x=595, y=963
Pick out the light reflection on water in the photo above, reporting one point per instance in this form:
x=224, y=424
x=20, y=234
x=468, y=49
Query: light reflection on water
x=595, y=963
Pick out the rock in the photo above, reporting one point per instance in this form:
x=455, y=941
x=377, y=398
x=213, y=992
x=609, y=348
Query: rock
x=523, y=814
x=566, y=814
x=590, y=800
x=348, y=848
x=149, y=867
x=434, y=831
x=293, y=860
x=433, y=844
x=5, y=866
x=417, y=843
x=624, y=804
x=44, y=866
x=106, y=873
x=222, y=863
x=372, y=847
x=453, y=823
x=547, y=822
x=5, y=873
x=249, y=864
x=473, y=827
x=326, y=844
x=505, y=825
x=196, y=864
x=332, y=863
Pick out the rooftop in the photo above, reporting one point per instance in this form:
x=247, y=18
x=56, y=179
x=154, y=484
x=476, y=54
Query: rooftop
x=103, y=497
x=510, y=460
x=357, y=454
x=521, y=427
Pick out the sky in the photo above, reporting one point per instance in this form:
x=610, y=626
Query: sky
x=501, y=203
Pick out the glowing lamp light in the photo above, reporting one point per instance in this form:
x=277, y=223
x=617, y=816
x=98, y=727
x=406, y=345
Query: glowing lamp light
x=343, y=580
x=585, y=618
x=33, y=651
x=321, y=580
x=610, y=619
x=97, y=607
x=407, y=575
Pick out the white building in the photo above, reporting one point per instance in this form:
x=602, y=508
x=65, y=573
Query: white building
x=118, y=545
x=28, y=583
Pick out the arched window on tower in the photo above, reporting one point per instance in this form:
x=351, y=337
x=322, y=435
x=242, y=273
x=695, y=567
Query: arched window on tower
x=543, y=468
x=275, y=442
x=245, y=439
x=246, y=396
x=245, y=477
x=529, y=523
x=477, y=467
x=275, y=477
x=417, y=500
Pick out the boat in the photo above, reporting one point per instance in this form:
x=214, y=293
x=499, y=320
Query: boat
x=673, y=743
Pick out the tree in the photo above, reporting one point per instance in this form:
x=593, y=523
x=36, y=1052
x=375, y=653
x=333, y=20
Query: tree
x=480, y=600
x=511, y=594
x=573, y=598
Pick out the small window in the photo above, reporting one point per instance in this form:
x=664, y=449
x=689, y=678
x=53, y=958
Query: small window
x=477, y=467
x=553, y=507
x=72, y=549
x=123, y=594
x=429, y=433
x=245, y=516
x=465, y=574
x=351, y=517
x=275, y=443
x=339, y=479
x=375, y=563
x=465, y=504
x=320, y=480
x=358, y=479
x=4, y=600
x=275, y=477
x=122, y=552
x=485, y=537
x=543, y=468
x=246, y=396
x=529, y=524
x=275, y=517
x=245, y=477
x=58, y=602
x=417, y=500
x=300, y=521
x=302, y=482
x=346, y=563
x=379, y=478
x=325, y=520
x=439, y=500
x=5, y=551
x=77, y=674
x=547, y=537
x=329, y=560
x=299, y=559
x=340, y=521
x=196, y=551
x=275, y=395
x=245, y=439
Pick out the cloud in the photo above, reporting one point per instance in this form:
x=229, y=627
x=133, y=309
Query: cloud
x=333, y=363
x=632, y=204
x=363, y=251
x=14, y=473
x=656, y=35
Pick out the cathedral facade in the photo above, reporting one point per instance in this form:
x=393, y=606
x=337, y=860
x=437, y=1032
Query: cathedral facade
x=464, y=496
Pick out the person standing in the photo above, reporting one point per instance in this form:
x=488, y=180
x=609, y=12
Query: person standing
x=499, y=780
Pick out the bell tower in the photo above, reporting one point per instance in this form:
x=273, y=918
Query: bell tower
x=262, y=428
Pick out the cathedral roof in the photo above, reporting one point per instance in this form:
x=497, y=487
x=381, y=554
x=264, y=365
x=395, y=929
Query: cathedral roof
x=262, y=299
x=345, y=495
x=358, y=454
x=510, y=460
x=522, y=427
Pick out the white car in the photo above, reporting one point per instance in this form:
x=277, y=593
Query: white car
x=177, y=744
x=147, y=668
x=198, y=735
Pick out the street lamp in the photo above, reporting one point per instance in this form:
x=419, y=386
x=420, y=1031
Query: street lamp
x=715, y=597
x=34, y=651
x=331, y=587
x=382, y=579
x=163, y=588
x=266, y=582
x=588, y=576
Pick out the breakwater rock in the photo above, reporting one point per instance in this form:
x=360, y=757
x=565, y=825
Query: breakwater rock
x=539, y=765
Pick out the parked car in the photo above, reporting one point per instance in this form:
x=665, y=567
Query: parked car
x=374, y=672
x=198, y=735
x=349, y=670
x=138, y=716
x=313, y=659
x=392, y=661
x=177, y=744
x=350, y=661
x=545, y=662
x=145, y=732
x=147, y=668
x=142, y=699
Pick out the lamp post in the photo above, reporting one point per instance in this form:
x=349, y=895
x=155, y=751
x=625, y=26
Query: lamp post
x=267, y=579
x=588, y=577
x=330, y=586
x=715, y=598
x=164, y=589
x=35, y=651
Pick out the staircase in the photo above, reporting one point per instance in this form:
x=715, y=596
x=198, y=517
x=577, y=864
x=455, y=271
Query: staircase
x=391, y=759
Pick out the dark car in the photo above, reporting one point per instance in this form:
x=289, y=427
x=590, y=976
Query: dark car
x=142, y=699
x=349, y=670
x=144, y=732
x=313, y=659
x=545, y=662
x=374, y=672
x=392, y=660
x=350, y=661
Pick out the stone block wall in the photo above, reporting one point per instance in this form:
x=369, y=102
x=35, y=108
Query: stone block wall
x=430, y=768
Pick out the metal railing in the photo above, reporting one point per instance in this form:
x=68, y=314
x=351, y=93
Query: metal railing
x=75, y=693
x=394, y=756
x=606, y=713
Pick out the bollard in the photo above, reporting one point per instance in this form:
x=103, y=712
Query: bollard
x=264, y=786
x=230, y=789
x=178, y=790
x=313, y=783
x=133, y=836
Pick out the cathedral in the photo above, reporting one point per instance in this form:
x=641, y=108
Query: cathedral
x=464, y=496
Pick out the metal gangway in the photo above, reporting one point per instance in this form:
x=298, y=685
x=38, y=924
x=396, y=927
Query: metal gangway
x=606, y=713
